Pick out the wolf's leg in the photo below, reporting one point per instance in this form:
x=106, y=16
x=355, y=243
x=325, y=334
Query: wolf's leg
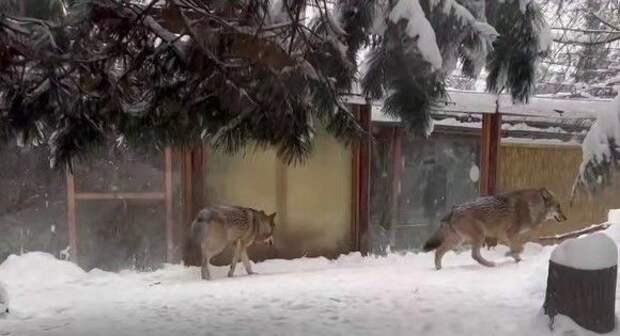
x=450, y=242
x=439, y=253
x=235, y=258
x=516, y=247
x=204, y=270
x=246, y=261
x=475, y=253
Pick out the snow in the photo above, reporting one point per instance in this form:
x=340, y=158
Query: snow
x=523, y=5
x=592, y=252
x=613, y=216
x=418, y=26
x=460, y=101
x=540, y=142
x=595, y=146
x=399, y=294
x=545, y=37
x=4, y=300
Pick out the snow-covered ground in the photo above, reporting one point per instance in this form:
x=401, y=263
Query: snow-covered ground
x=353, y=295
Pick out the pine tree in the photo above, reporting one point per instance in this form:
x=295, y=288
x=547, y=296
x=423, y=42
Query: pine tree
x=586, y=55
x=244, y=72
x=230, y=72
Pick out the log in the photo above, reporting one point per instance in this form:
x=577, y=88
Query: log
x=581, y=283
x=554, y=240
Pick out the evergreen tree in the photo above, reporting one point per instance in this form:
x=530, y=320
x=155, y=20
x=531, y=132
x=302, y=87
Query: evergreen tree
x=234, y=73
x=586, y=54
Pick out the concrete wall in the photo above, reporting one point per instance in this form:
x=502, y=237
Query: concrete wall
x=554, y=167
x=313, y=200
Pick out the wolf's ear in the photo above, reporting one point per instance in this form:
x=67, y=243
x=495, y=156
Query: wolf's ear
x=546, y=195
x=272, y=216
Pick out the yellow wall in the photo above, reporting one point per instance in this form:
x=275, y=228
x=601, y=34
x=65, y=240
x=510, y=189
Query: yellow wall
x=553, y=167
x=319, y=201
x=313, y=200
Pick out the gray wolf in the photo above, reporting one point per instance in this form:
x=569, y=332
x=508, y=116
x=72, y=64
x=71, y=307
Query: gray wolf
x=217, y=227
x=507, y=218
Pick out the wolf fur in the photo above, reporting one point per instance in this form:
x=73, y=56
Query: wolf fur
x=507, y=218
x=217, y=227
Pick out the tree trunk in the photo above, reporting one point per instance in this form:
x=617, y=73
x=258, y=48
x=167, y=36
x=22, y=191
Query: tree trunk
x=586, y=296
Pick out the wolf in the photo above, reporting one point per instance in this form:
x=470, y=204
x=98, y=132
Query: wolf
x=507, y=218
x=219, y=226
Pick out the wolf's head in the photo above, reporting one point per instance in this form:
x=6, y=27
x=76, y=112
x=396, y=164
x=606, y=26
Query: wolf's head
x=266, y=224
x=552, y=206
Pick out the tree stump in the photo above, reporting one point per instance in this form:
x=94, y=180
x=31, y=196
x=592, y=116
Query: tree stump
x=588, y=297
x=583, y=291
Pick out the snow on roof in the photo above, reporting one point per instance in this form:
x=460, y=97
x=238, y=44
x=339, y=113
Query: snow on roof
x=540, y=142
x=592, y=252
x=482, y=102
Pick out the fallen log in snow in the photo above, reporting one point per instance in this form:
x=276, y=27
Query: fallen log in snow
x=554, y=240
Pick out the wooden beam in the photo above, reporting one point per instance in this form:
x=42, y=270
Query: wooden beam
x=72, y=216
x=120, y=196
x=170, y=241
x=490, y=137
x=281, y=191
x=198, y=160
x=355, y=188
x=361, y=182
x=397, y=169
x=192, y=176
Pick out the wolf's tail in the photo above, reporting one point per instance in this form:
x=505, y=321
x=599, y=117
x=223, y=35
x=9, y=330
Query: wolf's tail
x=192, y=253
x=438, y=237
x=195, y=231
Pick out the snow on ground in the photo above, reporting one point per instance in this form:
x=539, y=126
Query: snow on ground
x=393, y=295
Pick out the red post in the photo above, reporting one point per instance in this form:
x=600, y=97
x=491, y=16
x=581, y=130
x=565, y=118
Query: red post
x=71, y=216
x=170, y=253
x=489, y=140
x=361, y=182
x=397, y=170
x=193, y=198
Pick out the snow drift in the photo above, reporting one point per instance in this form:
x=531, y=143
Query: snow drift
x=400, y=294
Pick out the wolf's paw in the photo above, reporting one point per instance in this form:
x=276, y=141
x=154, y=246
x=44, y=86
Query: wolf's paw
x=514, y=256
x=489, y=264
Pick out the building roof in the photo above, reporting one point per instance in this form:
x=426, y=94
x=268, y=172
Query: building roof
x=544, y=118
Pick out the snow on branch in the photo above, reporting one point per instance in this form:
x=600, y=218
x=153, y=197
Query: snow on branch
x=601, y=150
x=418, y=27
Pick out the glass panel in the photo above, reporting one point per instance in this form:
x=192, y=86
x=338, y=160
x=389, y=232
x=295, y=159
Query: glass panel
x=115, y=235
x=32, y=203
x=439, y=172
x=112, y=234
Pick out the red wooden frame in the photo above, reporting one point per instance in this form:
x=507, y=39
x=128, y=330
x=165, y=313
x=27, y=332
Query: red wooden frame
x=193, y=167
x=73, y=197
x=361, y=182
x=397, y=171
x=490, y=136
